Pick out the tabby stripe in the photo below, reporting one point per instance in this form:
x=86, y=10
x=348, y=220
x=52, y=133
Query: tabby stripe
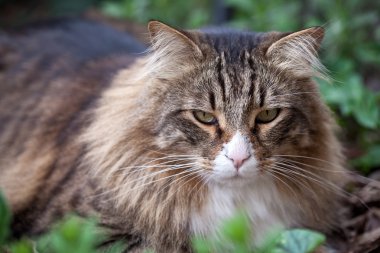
x=221, y=79
x=211, y=98
x=263, y=94
x=27, y=214
x=282, y=129
x=242, y=57
x=61, y=184
x=252, y=78
x=219, y=132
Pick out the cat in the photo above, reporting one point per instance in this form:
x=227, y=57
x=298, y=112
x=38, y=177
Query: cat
x=165, y=145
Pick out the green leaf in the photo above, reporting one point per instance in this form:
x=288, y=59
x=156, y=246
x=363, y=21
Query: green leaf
x=369, y=160
x=72, y=235
x=270, y=244
x=112, y=9
x=201, y=245
x=299, y=241
x=118, y=247
x=367, y=111
x=237, y=229
x=5, y=219
x=23, y=246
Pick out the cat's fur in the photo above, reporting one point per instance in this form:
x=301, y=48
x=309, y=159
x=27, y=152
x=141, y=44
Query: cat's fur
x=90, y=127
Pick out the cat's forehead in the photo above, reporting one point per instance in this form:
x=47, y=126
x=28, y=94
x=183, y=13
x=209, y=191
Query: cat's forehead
x=233, y=68
x=232, y=44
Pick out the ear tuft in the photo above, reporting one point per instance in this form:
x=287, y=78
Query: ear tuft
x=173, y=50
x=298, y=53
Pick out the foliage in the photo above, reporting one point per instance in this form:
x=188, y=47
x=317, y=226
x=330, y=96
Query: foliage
x=73, y=234
x=234, y=236
x=175, y=12
x=352, y=39
x=78, y=235
x=5, y=219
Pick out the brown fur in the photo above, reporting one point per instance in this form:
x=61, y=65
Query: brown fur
x=100, y=136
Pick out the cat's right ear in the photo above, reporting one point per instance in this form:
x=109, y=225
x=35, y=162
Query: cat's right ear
x=176, y=40
x=173, y=50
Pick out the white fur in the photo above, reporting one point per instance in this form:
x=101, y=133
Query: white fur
x=259, y=201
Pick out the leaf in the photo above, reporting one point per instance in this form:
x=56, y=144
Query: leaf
x=270, y=244
x=72, y=235
x=5, y=219
x=369, y=160
x=118, y=247
x=367, y=112
x=237, y=229
x=299, y=241
x=201, y=245
x=23, y=246
x=112, y=9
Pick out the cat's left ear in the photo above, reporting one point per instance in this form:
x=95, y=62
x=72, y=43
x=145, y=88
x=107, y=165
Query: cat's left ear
x=298, y=53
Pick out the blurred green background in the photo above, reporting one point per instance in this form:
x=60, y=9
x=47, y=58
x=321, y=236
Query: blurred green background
x=351, y=48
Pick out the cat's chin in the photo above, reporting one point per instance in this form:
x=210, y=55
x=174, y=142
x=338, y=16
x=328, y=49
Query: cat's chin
x=236, y=180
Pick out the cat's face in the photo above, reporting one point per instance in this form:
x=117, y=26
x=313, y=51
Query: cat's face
x=235, y=113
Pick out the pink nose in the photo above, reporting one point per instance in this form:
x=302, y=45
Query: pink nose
x=237, y=150
x=238, y=160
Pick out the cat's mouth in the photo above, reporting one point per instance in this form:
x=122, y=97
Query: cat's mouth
x=229, y=175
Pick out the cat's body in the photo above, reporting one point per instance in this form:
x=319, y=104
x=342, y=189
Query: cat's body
x=165, y=146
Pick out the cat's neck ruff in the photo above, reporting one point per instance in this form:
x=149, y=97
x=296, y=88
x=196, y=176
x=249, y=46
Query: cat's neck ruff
x=260, y=201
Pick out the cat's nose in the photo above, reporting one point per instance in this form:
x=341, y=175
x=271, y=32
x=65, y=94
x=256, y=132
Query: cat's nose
x=237, y=150
x=238, y=159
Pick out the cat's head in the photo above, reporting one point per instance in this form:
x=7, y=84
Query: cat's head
x=238, y=105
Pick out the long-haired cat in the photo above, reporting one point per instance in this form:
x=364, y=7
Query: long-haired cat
x=166, y=145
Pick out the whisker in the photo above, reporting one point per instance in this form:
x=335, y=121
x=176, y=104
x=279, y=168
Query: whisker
x=202, y=180
x=194, y=172
x=315, y=178
x=191, y=177
x=142, y=178
x=283, y=182
x=314, y=167
x=172, y=167
x=163, y=165
x=322, y=182
x=301, y=183
x=151, y=163
x=164, y=178
x=311, y=158
x=349, y=172
x=146, y=184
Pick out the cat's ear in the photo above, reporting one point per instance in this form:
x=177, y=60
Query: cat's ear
x=173, y=49
x=163, y=35
x=298, y=53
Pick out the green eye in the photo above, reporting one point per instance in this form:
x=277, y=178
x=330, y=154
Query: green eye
x=205, y=117
x=267, y=116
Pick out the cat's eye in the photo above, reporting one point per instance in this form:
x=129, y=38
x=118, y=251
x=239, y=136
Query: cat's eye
x=267, y=116
x=205, y=117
